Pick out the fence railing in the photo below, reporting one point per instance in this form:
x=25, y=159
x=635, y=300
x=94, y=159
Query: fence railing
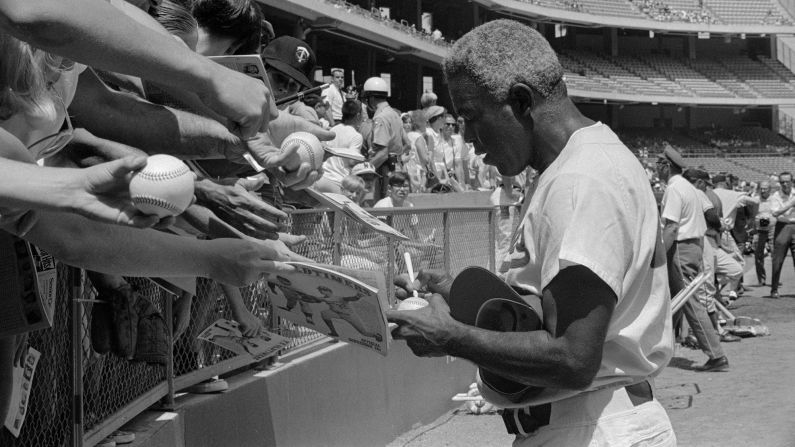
x=79, y=396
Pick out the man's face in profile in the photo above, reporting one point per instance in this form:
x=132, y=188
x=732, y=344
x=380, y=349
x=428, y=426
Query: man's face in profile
x=786, y=184
x=492, y=128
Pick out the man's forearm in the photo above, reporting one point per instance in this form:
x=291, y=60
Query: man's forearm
x=118, y=250
x=150, y=127
x=90, y=31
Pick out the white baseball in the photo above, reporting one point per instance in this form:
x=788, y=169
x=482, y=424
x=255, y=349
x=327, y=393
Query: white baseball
x=310, y=150
x=164, y=187
x=412, y=303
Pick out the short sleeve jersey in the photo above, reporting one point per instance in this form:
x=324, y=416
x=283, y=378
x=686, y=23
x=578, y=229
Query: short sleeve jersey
x=593, y=207
x=681, y=204
x=387, y=129
x=346, y=137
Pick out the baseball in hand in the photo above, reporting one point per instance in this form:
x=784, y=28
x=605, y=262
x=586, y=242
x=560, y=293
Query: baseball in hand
x=412, y=303
x=164, y=187
x=310, y=150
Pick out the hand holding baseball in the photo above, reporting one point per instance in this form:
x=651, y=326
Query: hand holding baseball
x=101, y=193
x=163, y=187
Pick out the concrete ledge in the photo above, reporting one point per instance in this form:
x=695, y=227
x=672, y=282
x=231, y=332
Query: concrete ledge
x=340, y=395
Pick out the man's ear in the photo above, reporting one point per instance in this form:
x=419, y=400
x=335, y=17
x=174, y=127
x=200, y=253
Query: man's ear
x=521, y=100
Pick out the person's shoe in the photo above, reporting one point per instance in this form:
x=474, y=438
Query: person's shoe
x=691, y=342
x=718, y=364
x=209, y=386
x=774, y=294
x=121, y=437
x=733, y=296
x=729, y=338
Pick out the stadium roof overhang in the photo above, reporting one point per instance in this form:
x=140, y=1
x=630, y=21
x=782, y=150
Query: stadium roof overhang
x=554, y=15
x=684, y=101
x=331, y=19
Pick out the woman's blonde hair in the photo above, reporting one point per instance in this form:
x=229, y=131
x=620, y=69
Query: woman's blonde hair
x=23, y=79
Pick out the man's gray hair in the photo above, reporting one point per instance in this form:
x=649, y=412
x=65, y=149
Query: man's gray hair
x=501, y=53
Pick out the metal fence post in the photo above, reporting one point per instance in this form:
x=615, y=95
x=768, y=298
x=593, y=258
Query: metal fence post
x=336, y=239
x=169, y=311
x=390, y=269
x=76, y=290
x=446, y=242
x=492, y=240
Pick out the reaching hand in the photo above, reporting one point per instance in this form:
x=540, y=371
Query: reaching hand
x=250, y=325
x=281, y=127
x=435, y=281
x=240, y=208
x=247, y=102
x=102, y=193
x=238, y=262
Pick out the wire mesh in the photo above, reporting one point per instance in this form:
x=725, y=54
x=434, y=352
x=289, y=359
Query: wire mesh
x=111, y=383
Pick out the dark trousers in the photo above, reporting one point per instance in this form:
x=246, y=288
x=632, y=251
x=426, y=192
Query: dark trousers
x=783, y=238
x=687, y=259
x=759, y=254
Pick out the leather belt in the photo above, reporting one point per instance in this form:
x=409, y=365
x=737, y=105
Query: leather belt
x=526, y=420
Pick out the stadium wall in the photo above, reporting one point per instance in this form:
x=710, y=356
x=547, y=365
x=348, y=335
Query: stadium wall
x=341, y=395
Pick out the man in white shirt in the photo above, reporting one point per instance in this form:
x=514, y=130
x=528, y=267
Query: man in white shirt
x=588, y=248
x=684, y=228
x=732, y=202
x=333, y=95
x=764, y=225
x=784, y=233
x=347, y=139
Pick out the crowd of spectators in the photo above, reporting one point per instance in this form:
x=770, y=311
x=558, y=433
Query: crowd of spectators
x=78, y=118
x=659, y=10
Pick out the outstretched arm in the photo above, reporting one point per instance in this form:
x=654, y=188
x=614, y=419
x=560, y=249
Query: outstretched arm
x=99, y=35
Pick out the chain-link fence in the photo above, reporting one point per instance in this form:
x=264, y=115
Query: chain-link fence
x=86, y=385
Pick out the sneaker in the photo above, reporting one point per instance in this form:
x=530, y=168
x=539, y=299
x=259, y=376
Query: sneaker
x=729, y=338
x=774, y=294
x=691, y=342
x=712, y=365
x=209, y=386
x=121, y=437
x=732, y=296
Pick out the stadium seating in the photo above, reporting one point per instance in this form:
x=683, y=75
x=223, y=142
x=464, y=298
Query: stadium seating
x=721, y=76
x=726, y=12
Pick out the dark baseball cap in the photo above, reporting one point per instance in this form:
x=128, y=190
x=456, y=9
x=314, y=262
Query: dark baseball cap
x=291, y=56
x=694, y=174
x=719, y=178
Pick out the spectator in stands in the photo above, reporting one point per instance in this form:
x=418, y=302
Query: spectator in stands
x=108, y=40
x=177, y=20
x=427, y=100
x=333, y=95
x=783, y=208
x=506, y=81
x=451, y=152
x=366, y=171
x=388, y=137
x=417, y=160
x=353, y=187
x=348, y=139
x=684, y=227
x=765, y=222
x=228, y=26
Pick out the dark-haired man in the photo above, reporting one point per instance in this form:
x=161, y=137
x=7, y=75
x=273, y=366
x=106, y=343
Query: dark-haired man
x=588, y=247
x=228, y=26
x=784, y=233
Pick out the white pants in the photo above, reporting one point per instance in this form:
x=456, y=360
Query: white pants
x=603, y=418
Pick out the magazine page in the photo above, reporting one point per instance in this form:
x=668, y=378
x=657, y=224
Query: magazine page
x=226, y=334
x=318, y=297
x=354, y=211
x=22, y=379
x=29, y=283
